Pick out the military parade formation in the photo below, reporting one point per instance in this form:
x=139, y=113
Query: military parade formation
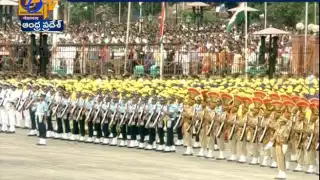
x=272, y=122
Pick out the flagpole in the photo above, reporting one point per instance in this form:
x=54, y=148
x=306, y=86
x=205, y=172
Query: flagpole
x=305, y=37
x=265, y=15
x=127, y=37
x=315, y=13
x=119, y=12
x=163, y=14
x=246, y=36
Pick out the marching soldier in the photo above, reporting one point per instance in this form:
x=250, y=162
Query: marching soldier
x=32, y=108
x=89, y=113
x=268, y=124
x=226, y=101
x=141, y=109
x=281, y=135
x=64, y=114
x=3, y=112
x=214, y=110
x=172, y=113
x=106, y=120
x=50, y=101
x=180, y=105
x=233, y=121
x=151, y=115
x=40, y=115
x=123, y=111
x=254, y=122
x=26, y=95
x=97, y=118
x=158, y=123
x=299, y=135
x=81, y=115
x=132, y=122
x=75, y=108
x=189, y=115
x=10, y=102
x=58, y=99
x=18, y=94
x=198, y=108
x=311, y=143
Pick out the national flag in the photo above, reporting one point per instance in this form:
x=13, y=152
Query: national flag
x=237, y=17
x=163, y=17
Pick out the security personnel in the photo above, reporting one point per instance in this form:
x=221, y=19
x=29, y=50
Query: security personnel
x=3, y=112
x=123, y=109
x=74, y=108
x=18, y=94
x=97, y=119
x=56, y=108
x=50, y=101
x=172, y=114
x=10, y=102
x=64, y=114
x=280, y=136
x=233, y=120
x=81, y=116
x=213, y=110
x=40, y=115
x=159, y=123
x=32, y=108
x=226, y=101
x=114, y=117
x=89, y=109
x=26, y=96
x=106, y=120
x=151, y=115
x=179, y=141
x=299, y=135
x=140, y=115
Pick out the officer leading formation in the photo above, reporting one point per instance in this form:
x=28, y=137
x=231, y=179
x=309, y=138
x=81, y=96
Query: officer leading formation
x=272, y=122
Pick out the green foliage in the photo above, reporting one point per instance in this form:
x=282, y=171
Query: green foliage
x=288, y=13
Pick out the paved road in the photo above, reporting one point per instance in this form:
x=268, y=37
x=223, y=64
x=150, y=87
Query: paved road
x=21, y=159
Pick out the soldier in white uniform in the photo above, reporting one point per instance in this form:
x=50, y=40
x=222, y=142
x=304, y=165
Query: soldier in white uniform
x=64, y=114
x=74, y=111
x=18, y=114
x=97, y=119
x=3, y=112
x=9, y=104
x=41, y=114
x=105, y=124
x=88, y=117
x=26, y=95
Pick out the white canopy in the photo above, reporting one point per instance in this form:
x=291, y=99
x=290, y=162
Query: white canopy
x=249, y=9
x=270, y=31
x=197, y=4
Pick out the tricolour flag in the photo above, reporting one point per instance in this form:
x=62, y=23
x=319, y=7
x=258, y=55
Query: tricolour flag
x=163, y=17
x=237, y=17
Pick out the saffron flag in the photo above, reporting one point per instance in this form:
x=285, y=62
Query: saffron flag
x=163, y=17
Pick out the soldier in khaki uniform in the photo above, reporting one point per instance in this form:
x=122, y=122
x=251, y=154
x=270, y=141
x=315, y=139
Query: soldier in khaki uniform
x=281, y=135
x=226, y=101
x=202, y=123
x=241, y=131
x=188, y=115
x=298, y=134
x=233, y=120
x=268, y=124
x=214, y=109
x=312, y=132
x=254, y=123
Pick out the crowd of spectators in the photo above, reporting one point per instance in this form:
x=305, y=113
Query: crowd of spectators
x=183, y=43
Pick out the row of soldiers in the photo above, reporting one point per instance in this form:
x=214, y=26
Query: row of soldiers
x=213, y=119
x=268, y=126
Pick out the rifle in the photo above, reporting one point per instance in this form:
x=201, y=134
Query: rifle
x=105, y=115
x=308, y=147
x=73, y=108
x=224, y=116
x=150, y=117
x=211, y=124
x=30, y=102
x=113, y=116
x=292, y=125
x=132, y=115
x=194, y=114
x=244, y=128
x=54, y=111
x=89, y=114
x=140, y=118
x=124, y=116
x=179, y=119
x=201, y=122
x=233, y=129
x=255, y=131
x=264, y=132
x=158, y=117
x=97, y=113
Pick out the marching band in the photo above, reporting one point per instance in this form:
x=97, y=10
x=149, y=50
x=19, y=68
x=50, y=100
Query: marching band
x=272, y=128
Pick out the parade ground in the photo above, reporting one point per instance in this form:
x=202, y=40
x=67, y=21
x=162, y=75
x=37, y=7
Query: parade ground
x=21, y=159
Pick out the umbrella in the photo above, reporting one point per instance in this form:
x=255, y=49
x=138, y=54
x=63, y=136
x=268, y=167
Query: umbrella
x=270, y=31
x=197, y=4
x=249, y=9
x=8, y=3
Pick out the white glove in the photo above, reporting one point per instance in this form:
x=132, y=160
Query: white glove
x=268, y=146
x=284, y=148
